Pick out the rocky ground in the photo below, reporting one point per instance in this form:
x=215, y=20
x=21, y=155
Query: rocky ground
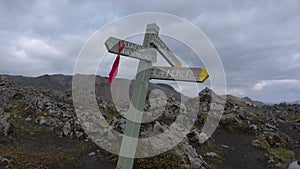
x=39, y=129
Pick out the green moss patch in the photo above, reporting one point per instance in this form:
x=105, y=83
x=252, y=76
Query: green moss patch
x=18, y=109
x=2, y=77
x=293, y=117
x=166, y=160
x=28, y=159
x=284, y=155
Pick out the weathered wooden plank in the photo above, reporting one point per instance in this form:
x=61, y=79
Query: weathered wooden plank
x=180, y=74
x=131, y=49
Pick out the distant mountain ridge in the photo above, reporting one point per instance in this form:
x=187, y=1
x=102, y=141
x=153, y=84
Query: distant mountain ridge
x=57, y=82
x=294, y=102
x=63, y=83
x=260, y=103
x=284, y=102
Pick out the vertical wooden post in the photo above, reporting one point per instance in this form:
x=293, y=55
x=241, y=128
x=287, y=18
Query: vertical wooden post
x=134, y=118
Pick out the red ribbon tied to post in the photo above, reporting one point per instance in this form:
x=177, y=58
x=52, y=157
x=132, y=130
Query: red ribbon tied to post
x=114, y=70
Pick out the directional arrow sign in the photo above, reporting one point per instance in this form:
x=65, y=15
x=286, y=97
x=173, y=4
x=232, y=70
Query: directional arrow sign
x=165, y=51
x=180, y=74
x=131, y=49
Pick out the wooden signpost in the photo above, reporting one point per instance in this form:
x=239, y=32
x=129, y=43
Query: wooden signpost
x=146, y=72
x=131, y=49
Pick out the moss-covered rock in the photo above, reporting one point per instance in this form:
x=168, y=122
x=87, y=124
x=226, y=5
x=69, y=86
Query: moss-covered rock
x=261, y=142
x=234, y=126
x=166, y=160
x=280, y=153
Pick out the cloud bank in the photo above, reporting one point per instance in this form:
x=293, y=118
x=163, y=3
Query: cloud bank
x=258, y=41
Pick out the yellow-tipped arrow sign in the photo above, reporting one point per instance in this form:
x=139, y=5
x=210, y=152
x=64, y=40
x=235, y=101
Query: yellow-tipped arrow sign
x=179, y=74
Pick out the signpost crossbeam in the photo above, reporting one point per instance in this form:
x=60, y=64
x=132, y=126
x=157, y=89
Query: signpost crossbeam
x=165, y=51
x=130, y=49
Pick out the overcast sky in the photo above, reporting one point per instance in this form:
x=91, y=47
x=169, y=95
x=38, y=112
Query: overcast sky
x=258, y=41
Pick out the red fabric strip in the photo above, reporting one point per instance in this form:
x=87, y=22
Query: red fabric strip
x=114, y=70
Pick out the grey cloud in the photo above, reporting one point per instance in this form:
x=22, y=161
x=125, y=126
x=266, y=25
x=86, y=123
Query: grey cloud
x=256, y=40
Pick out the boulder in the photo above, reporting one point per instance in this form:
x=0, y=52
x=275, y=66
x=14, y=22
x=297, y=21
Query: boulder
x=185, y=149
x=48, y=121
x=66, y=129
x=5, y=126
x=5, y=162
